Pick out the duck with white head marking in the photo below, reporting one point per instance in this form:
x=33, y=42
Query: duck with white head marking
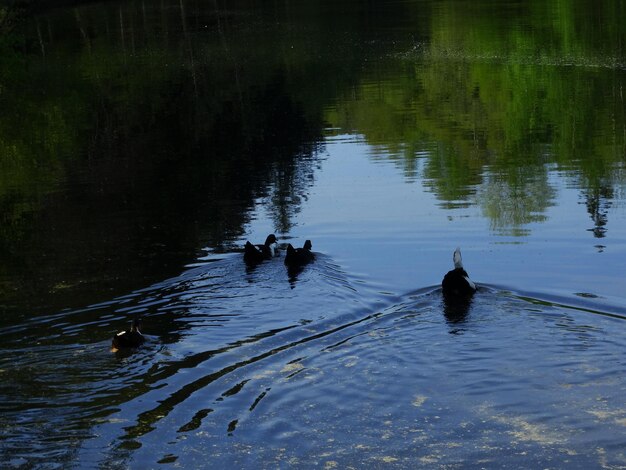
x=457, y=282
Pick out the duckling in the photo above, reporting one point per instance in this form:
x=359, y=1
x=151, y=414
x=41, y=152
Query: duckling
x=254, y=254
x=299, y=256
x=129, y=339
x=457, y=282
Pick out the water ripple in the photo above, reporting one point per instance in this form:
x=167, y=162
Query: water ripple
x=316, y=366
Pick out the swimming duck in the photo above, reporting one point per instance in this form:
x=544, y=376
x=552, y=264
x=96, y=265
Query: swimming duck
x=129, y=339
x=299, y=256
x=457, y=282
x=254, y=254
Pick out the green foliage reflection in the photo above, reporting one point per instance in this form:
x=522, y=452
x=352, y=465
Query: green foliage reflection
x=496, y=97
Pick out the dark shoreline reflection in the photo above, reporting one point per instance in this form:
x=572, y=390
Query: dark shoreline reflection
x=152, y=162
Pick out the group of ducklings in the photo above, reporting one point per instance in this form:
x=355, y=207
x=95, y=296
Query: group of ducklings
x=456, y=284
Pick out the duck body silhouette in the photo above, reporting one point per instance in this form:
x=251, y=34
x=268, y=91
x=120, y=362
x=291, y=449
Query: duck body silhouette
x=129, y=339
x=456, y=283
x=255, y=254
x=297, y=257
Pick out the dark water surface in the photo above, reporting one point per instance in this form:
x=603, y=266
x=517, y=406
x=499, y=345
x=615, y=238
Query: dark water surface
x=141, y=144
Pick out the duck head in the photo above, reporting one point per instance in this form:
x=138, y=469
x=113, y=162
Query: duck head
x=271, y=239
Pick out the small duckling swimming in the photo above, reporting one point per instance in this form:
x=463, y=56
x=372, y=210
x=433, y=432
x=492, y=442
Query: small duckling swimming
x=255, y=254
x=457, y=282
x=129, y=339
x=296, y=257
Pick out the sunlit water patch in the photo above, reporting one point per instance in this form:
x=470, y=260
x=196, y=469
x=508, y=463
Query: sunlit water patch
x=422, y=52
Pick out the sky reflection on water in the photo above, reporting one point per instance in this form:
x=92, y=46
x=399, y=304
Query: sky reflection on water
x=390, y=229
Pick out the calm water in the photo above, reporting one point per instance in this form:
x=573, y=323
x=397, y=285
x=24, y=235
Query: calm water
x=141, y=145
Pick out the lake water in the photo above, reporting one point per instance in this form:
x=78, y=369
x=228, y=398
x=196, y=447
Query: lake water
x=142, y=143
